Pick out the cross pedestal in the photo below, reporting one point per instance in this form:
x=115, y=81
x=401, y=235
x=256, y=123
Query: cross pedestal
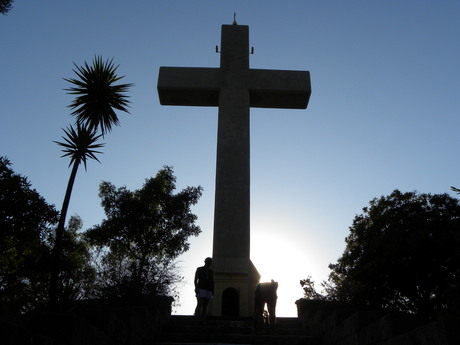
x=234, y=88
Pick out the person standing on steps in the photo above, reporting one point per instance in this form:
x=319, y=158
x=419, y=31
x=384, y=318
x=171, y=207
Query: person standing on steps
x=204, y=288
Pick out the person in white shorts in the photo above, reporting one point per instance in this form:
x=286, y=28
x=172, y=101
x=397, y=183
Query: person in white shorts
x=204, y=288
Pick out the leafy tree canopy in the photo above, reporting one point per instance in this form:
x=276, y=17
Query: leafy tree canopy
x=77, y=274
x=25, y=226
x=26, y=239
x=145, y=230
x=402, y=253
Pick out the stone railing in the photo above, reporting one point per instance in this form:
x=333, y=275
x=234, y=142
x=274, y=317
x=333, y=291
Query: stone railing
x=340, y=323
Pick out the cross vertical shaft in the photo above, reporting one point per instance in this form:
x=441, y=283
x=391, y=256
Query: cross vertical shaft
x=231, y=210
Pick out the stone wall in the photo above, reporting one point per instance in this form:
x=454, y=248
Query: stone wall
x=340, y=323
x=98, y=322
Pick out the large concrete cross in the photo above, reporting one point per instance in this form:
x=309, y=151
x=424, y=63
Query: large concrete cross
x=234, y=88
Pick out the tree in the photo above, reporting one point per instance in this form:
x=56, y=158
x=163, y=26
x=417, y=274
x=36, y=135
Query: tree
x=5, y=6
x=97, y=95
x=79, y=145
x=26, y=242
x=309, y=290
x=77, y=272
x=145, y=230
x=96, y=98
x=26, y=220
x=402, y=253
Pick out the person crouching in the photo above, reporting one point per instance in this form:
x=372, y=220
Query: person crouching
x=265, y=294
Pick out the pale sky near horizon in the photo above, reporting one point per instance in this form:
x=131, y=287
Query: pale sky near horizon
x=383, y=114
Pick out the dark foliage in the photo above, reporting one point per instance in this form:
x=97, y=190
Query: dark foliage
x=80, y=144
x=26, y=239
x=94, y=105
x=97, y=95
x=77, y=274
x=310, y=292
x=6, y=6
x=145, y=230
x=402, y=253
x=25, y=226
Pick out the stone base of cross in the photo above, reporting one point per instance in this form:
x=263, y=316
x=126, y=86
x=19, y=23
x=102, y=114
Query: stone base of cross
x=235, y=282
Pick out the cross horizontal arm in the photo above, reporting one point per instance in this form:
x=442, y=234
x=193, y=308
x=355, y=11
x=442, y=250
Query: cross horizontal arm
x=279, y=89
x=189, y=86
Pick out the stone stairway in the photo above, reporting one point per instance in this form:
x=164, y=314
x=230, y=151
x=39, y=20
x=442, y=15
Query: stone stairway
x=188, y=330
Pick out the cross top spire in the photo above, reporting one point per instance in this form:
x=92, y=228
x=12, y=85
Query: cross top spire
x=234, y=19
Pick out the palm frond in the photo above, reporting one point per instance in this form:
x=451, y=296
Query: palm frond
x=80, y=144
x=97, y=95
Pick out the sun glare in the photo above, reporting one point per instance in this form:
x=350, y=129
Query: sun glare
x=282, y=260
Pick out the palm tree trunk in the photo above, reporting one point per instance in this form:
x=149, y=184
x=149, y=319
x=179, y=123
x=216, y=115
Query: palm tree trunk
x=57, y=250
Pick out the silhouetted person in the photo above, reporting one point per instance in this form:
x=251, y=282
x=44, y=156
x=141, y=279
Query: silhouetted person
x=204, y=288
x=266, y=294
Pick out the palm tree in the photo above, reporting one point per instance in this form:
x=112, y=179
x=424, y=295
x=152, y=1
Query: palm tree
x=79, y=145
x=97, y=96
x=96, y=99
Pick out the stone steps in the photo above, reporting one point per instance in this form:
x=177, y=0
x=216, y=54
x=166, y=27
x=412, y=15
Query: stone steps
x=188, y=330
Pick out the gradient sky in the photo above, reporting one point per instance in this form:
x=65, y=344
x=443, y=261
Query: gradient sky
x=383, y=114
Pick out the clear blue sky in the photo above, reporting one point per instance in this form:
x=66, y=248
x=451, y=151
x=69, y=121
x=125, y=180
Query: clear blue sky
x=383, y=114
